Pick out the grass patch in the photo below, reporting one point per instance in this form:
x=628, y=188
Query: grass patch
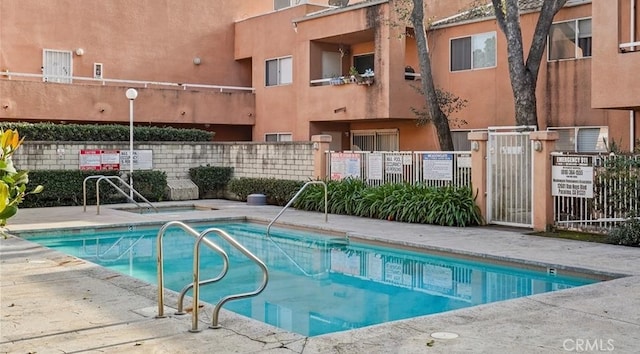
x=573, y=235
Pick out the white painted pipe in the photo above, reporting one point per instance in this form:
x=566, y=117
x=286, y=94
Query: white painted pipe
x=632, y=130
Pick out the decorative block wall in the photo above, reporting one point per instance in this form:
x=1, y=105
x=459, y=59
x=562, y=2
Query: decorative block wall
x=282, y=160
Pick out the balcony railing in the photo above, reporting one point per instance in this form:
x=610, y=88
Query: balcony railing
x=131, y=83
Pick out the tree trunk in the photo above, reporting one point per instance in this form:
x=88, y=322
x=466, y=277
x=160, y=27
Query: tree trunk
x=434, y=111
x=524, y=74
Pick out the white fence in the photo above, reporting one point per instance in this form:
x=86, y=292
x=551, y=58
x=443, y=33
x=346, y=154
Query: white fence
x=433, y=168
x=605, y=190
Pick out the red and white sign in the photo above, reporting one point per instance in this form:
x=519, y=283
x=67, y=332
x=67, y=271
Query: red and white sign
x=99, y=159
x=90, y=159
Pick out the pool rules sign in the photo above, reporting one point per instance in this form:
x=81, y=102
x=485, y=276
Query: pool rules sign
x=572, y=176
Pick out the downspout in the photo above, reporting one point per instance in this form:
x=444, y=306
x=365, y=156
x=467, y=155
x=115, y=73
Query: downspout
x=632, y=38
x=632, y=22
x=632, y=130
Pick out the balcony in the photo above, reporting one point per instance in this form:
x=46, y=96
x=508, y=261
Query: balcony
x=28, y=97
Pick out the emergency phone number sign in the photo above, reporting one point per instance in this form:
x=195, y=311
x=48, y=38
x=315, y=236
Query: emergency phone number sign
x=572, y=176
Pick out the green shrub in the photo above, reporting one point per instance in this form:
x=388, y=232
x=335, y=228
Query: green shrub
x=104, y=132
x=627, y=234
x=65, y=187
x=211, y=180
x=151, y=184
x=450, y=206
x=277, y=191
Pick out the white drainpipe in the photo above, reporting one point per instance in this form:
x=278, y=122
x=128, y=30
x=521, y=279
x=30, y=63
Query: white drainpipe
x=632, y=38
x=632, y=130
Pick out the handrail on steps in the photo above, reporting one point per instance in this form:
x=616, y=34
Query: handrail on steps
x=201, y=238
x=296, y=196
x=107, y=178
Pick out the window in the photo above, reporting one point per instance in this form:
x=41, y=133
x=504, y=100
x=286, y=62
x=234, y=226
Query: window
x=375, y=140
x=278, y=137
x=460, y=140
x=475, y=52
x=570, y=39
x=282, y=4
x=629, y=25
x=279, y=71
x=57, y=66
x=582, y=139
x=363, y=62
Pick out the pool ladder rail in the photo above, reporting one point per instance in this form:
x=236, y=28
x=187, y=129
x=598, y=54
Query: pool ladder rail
x=108, y=180
x=116, y=246
x=296, y=196
x=201, y=238
x=341, y=242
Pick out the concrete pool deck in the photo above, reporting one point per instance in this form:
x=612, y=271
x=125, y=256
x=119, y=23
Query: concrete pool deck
x=53, y=303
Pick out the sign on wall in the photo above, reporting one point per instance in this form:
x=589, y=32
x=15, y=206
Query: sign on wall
x=572, y=176
x=142, y=159
x=393, y=164
x=437, y=167
x=345, y=165
x=99, y=159
x=96, y=159
x=374, y=167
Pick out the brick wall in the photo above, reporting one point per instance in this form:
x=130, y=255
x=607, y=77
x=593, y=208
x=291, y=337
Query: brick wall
x=283, y=160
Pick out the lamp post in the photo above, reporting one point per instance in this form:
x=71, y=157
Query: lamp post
x=131, y=95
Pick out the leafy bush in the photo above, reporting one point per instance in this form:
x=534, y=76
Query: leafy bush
x=151, y=184
x=450, y=206
x=277, y=191
x=105, y=132
x=64, y=187
x=211, y=180
x=627, y=234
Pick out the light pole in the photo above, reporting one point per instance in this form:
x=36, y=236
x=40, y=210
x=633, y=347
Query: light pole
x=131, y=95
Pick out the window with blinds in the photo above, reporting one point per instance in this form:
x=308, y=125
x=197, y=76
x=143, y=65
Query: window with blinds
x=375, y=140
x=570, y=40
x=473, y=52
x=279, y=71
x=582, y=139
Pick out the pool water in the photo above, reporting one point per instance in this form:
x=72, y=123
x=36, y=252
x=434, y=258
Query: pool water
x=320, y=285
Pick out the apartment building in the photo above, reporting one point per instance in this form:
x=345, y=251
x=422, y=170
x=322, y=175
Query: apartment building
x=279, y=70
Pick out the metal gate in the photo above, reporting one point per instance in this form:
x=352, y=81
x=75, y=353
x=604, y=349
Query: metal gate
x=509, y=176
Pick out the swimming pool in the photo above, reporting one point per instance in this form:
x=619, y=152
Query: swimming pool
x=319, y=286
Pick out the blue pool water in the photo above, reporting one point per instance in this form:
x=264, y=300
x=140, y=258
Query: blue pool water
x=320, y=286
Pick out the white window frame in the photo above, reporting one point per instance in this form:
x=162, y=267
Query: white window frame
x=362, y=55
x=280, y=75
x=282, y=136
x=495, y=52
x=280, y=4
x=461, y=145
x=378, y=136
x=576, y=22
x=601, y=143
x=55, y=71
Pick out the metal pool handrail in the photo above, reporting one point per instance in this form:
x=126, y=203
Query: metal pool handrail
x=160, y=260
x=108, y=178
x=196, y=280
x=101, y=177
x=201, y=237
x=296, y=196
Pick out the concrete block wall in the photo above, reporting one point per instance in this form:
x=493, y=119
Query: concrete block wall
x=281, y=160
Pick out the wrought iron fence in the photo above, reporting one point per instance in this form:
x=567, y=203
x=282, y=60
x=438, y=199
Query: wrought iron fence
x=613, y=197
x=432, y=168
